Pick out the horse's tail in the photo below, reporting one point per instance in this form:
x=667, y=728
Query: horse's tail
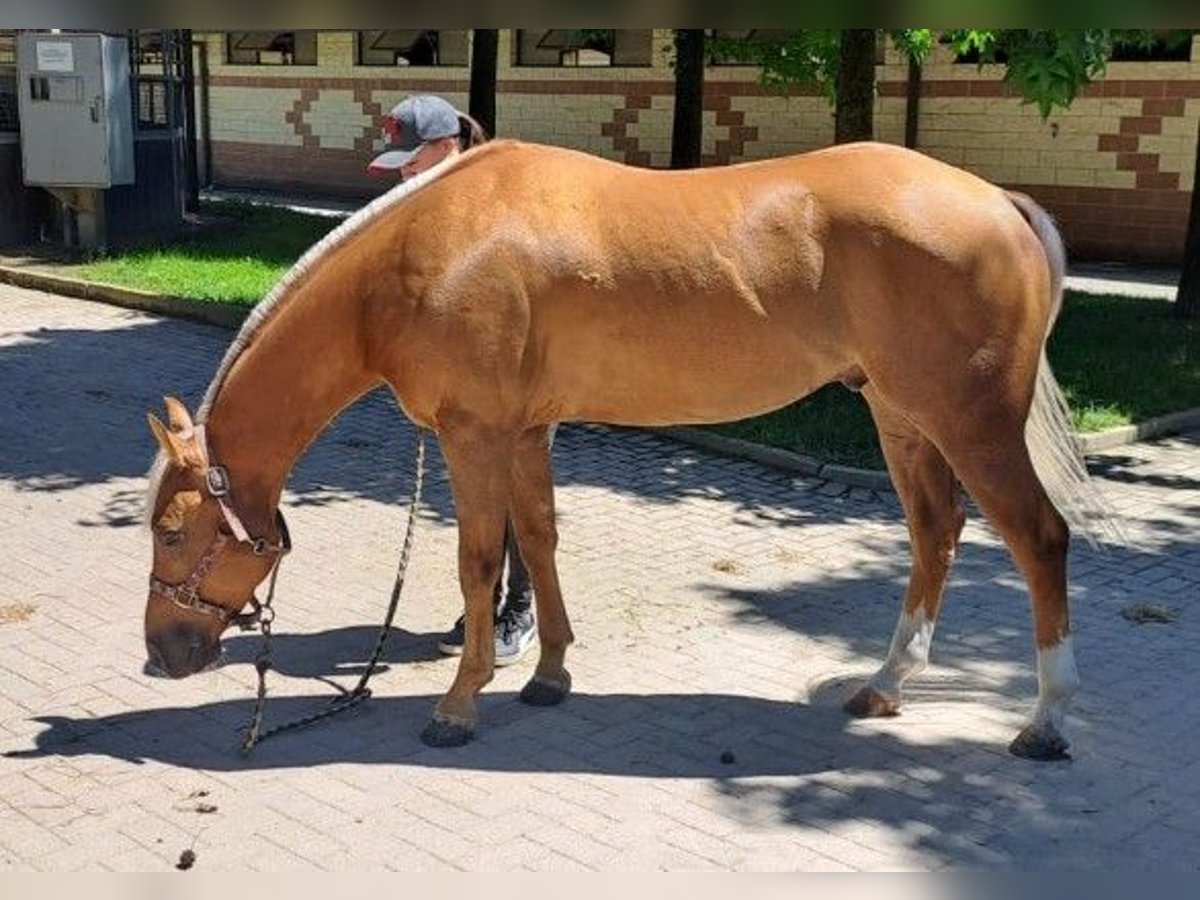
x=1053, y=446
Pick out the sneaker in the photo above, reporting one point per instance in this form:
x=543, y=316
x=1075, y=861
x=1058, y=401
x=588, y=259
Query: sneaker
x=514, y=633
x=451, y=642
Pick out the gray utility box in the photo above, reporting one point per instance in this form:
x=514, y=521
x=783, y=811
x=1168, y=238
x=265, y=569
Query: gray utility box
x=76, y=109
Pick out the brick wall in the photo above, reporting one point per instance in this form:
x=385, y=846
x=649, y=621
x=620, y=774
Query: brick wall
x=1116, y=168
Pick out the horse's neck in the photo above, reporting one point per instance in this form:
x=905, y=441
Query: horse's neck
x=304, y=366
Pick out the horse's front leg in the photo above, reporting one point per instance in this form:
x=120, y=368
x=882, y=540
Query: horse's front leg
x=479, y=465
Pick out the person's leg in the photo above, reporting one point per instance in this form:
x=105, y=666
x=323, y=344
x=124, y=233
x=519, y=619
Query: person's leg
x=518, y=592
x=516, y=624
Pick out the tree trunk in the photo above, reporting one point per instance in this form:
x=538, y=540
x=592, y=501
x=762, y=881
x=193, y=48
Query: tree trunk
x=912, y=105
x=687, y=127
x=854, y=117
x=1187, y=299
x=485, y=44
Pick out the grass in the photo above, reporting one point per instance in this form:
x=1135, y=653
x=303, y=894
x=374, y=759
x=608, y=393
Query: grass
x=235, y=257
x=1119, y=359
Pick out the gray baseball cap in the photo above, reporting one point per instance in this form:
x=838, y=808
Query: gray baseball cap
x=418, y=120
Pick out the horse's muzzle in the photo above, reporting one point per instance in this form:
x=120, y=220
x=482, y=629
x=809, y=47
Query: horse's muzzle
x=180, y=654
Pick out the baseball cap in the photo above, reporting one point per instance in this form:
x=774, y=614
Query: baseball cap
x=418, y=120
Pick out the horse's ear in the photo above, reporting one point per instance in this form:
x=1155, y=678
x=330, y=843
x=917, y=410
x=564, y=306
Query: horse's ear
x=177, y=415
x=169, y=442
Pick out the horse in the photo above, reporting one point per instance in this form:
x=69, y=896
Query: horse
x=521, y=285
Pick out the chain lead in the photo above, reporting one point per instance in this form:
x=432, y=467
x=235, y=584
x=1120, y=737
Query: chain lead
x=266, y=615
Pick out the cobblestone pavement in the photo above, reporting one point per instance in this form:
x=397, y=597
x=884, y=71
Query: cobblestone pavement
x=719, y=607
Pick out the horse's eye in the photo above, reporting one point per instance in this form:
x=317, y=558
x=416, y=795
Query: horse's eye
x=172, y=538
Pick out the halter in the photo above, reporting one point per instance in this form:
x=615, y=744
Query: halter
x=186, y=594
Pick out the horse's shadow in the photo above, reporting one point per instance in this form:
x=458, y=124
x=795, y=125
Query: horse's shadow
x=709, y=736
x=302, y=655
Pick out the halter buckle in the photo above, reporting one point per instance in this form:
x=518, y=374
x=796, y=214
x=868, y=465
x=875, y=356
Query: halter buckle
x=217, y=480
x=185, y=595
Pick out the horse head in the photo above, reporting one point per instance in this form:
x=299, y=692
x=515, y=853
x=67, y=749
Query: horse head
x=205, y=566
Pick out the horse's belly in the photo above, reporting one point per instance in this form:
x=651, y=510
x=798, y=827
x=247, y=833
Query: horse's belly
x=682, y=377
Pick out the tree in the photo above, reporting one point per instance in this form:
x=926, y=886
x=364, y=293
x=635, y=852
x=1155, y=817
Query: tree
x=854, y=88
x=688, y=123
x=484, y=54
x=1187, y=298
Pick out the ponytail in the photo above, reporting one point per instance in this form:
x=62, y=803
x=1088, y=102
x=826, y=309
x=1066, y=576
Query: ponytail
x=470, y=132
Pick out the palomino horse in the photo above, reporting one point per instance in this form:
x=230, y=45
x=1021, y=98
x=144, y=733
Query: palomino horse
x=523, y=285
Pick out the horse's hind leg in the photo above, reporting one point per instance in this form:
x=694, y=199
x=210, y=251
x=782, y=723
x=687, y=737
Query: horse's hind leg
x=537, y=537
x=995, y=466
x=479, y=465
x=935, y=515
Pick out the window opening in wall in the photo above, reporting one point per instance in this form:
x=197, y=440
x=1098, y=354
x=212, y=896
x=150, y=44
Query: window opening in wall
x=413, y=47
x=156, y=60
x=272, y=48
x=1164, y=48
x=716, y=55
x=579, y=47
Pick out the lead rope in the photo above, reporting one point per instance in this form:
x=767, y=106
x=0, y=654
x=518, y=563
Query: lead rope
x=348, y=699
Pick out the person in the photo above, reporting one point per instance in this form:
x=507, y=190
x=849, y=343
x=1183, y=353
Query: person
x=425, y=130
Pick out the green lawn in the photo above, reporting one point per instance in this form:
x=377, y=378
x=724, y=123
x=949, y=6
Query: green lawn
x=1119, y=360
x=235, y=257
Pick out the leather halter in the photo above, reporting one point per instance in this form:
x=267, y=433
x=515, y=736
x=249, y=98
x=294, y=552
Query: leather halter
x=186, y=593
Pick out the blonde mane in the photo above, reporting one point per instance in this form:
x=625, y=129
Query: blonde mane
x=284, y=288
x=295, y=275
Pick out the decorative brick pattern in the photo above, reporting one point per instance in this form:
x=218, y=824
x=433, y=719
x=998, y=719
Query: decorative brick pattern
x=295, y=117
x=732, y=147
x=617, y=130
x=1126, y=143
x=373, y=109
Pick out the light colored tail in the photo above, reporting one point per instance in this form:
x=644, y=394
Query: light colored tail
x=1049, y=435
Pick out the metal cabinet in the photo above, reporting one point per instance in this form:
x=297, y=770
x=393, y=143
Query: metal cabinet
x=76, y=109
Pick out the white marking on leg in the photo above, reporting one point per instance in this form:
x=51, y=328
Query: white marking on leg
x=1058, y=680
x=908, y=654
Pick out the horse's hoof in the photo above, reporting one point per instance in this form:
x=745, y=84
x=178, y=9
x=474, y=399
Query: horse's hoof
x=546, y=692
x=868, y=703
x=447, y=732
x=1041, y=743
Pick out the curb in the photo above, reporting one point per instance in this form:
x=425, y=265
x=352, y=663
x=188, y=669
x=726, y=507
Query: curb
x=231, y=317
x=221, y=314
x=1160, y=426
x=778, y=458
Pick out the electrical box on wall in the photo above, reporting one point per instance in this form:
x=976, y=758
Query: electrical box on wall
x=76, y=109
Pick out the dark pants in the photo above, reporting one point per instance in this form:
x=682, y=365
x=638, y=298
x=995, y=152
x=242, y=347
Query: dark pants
x=513, y=593
x=517, y=594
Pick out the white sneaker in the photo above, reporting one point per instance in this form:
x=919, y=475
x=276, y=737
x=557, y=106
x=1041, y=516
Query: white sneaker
x=515, y=632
